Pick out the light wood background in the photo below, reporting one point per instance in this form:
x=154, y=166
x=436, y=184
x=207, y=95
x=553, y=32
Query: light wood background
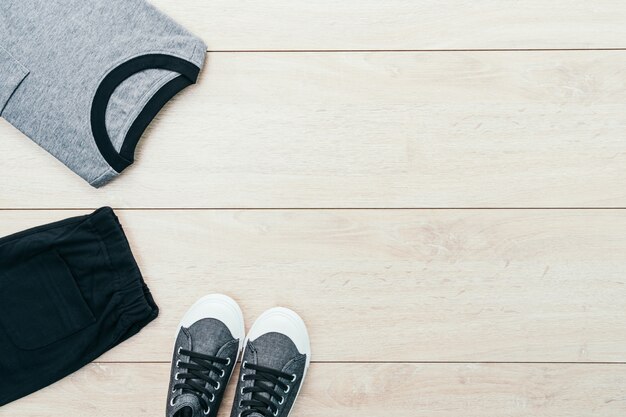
x=438, y=188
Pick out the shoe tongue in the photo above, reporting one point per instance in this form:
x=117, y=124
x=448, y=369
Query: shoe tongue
x=192, y=406
x=184, y=412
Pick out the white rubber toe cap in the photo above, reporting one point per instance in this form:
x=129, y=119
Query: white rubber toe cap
x=284, y=321
x=219, y=307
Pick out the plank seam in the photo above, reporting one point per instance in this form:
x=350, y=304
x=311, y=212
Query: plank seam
x=332, y=51
x=400, y=363
x=302, y=208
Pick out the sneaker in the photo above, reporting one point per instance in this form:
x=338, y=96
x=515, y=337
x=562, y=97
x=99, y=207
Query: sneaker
x=209, y=340
x=275, y=361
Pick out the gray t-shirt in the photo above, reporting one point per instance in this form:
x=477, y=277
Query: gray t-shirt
x=84, y=78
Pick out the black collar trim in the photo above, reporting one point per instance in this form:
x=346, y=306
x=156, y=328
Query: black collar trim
x=188, y=75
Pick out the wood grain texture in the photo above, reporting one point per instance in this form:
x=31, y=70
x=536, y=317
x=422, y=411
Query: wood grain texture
x=401, y=24
x=376, y=390
x=433, y=313
x=392, y=285
x=464, y=129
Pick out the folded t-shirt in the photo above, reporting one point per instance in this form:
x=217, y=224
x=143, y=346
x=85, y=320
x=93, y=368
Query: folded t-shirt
x=84, y=78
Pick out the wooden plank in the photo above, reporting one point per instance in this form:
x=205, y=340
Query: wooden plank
x=465, y=129
x=386, y=285
x=402, y=24
x=377, y=390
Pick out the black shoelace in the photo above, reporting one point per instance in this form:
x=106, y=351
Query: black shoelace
x=195, y=380
x=266, y=380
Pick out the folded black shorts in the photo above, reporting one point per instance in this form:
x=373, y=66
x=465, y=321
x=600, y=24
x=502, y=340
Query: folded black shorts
x=69, y=292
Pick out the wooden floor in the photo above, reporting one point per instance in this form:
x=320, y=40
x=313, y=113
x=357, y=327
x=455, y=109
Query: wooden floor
x=438, y=188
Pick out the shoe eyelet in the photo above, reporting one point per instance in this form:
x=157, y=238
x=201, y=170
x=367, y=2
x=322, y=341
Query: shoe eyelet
x=179, y=349
x=288, y=389
x=241, y=391
x=294, y=377
x=222, y=373
x=282, y=401
x=176, y=376
x=172, y=402
x=177, y=363
x=212, y=398
x=244, y=364
x=275, y=414
x=207, y=411
x=228, y=362
x=218, y=386
x=240, y=403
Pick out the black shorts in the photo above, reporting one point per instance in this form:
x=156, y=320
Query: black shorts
x=69, y=291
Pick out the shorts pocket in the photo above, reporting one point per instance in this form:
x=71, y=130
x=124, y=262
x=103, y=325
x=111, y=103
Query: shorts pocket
x=12, y=73
x=40, y=302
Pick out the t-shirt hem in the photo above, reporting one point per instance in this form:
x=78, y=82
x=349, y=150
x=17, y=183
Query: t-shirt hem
x=103, y=178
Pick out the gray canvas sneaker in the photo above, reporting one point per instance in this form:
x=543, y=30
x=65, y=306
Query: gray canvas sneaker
x=275, y=361
x=208, y=343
